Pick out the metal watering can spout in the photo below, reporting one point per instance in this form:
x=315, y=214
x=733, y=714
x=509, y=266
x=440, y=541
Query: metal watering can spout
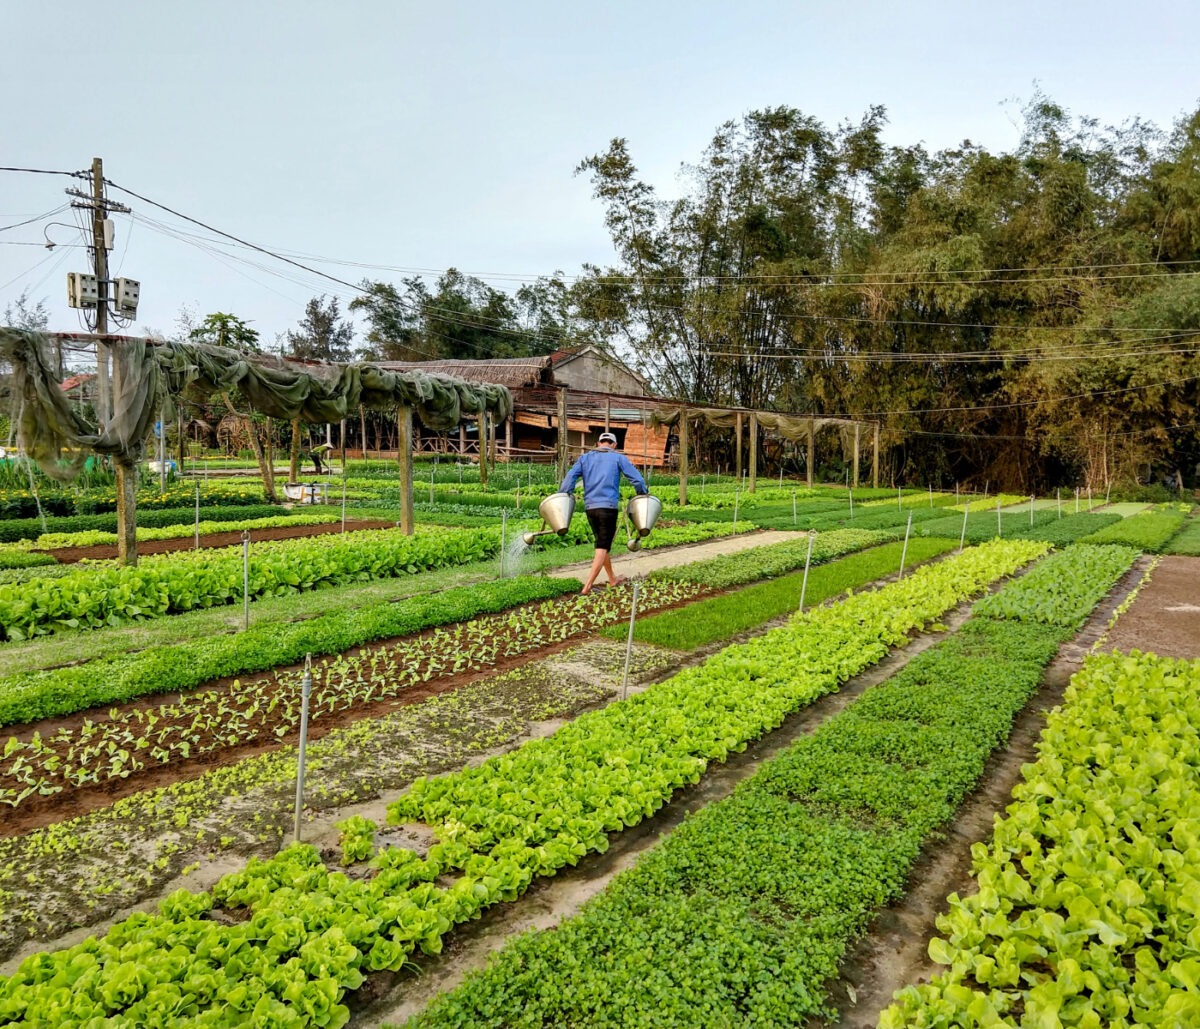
x=556, y=510
x=642, y=512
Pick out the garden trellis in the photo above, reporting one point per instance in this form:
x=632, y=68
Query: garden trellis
x=151, y=375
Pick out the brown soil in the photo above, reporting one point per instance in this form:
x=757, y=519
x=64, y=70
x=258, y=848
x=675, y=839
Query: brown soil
x=69, y=555
x=1165, y=617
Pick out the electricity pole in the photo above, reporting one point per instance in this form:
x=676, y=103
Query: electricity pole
x=105, y=397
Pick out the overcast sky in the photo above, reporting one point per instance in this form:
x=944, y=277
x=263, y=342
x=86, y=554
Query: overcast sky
x=407, y=136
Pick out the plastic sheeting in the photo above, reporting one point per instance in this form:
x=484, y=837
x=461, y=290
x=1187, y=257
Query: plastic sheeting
x=148, y=377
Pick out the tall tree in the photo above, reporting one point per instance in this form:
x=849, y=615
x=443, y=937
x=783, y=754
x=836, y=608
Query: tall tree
x=324, y=335
x=226, y=330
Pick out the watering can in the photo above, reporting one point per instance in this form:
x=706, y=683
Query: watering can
x=642, y=512
x=556, y=511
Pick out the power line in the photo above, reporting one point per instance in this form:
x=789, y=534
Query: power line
x=46, y=171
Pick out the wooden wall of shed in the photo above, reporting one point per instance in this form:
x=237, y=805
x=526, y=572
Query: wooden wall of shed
x=644, y=445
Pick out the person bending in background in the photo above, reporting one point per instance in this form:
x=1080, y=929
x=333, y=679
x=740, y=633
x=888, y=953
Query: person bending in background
x=601, y=470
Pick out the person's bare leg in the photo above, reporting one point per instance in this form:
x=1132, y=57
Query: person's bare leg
x=598, y=562
x=613, y=578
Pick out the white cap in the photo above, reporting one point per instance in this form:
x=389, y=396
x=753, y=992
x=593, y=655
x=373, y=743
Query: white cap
x=608, y=437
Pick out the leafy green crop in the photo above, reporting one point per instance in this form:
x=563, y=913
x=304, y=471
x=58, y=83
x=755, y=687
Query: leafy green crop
x=770, y=561
x=181, y=667
x=722, y=617
x=106, y=595
x=1086, y=909
x=742, y=915
x=12, y=529
x=1064, y=588
x=128, y=740
x=1147, y=531
x=309, y=934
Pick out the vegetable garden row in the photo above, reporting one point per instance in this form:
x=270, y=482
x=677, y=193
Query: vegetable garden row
x=742, y=916
x=302, y=947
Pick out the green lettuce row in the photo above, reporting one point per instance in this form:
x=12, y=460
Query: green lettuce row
x=726, y=615
x=184, y=530
x=130, y=739
x=23, y=559
x=1086, y=913
x=889, y=517
x=1148, y=531
x=311, y=933
x=744, y=913
x=981, y=524
x=613, y=767
x=13, y=529
x=1064, y=588
x=158, y=585
x=182, y=667
x=1067, y=529
x=774, y=560
x=1187, y=540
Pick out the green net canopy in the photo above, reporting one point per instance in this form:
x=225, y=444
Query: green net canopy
x=150, y=376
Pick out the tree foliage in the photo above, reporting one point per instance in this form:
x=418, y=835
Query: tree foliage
x=1028, y=317
x=324, y=335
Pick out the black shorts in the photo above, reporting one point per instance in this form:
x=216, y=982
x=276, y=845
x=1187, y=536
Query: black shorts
x=603, y=521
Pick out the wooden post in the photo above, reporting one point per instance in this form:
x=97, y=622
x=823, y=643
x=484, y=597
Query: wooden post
x=482, y=436
x=126, y=510
x=753, y=451
x=857, y=428
x=404, y=426
x=645, y=446
x=737, y=448
x=508, y=437
x=564, y=463
x=294, y=453
x=683, y=456
x=607, y=414
x=493, y=441
x=462, y=439
x=812, y=449
x=362, y=425
x=875, y=460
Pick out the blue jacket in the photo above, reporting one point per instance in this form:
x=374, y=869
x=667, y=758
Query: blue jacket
x=601, y=471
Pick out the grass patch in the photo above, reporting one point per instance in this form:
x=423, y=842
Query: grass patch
x=724, y=616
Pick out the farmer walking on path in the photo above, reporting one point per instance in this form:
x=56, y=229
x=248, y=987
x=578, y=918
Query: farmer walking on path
x=601, y=470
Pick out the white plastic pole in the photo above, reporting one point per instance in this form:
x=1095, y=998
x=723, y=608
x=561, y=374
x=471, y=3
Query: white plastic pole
x=1031, y=510
x=503, y=537
x=899, y=505
x=904, y=549
x=963, y=537
x=851, y=492
x=305, y=692
x=197, y=516
x=343, y=503
x=245, y=578
x=931, y=494
x=999, y=533
x=793, y=509
x=629, y=640
x=812, y=535
x=737, y=496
